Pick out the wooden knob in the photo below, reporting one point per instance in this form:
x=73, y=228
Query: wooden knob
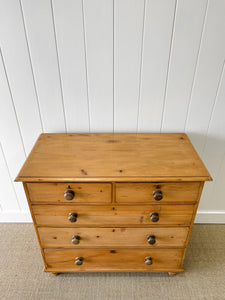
x=79, y=261
x=72, y=217
x=154, y=217
x=157, y=195
x=151, y=239
x=76, y=239
x=69, y=194
x=148, y=260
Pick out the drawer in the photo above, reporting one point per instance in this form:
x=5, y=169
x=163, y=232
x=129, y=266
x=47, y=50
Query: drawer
x=110, y=216
x=113, y=237
x=183, y=192
x=84, y=193
x=114, y=259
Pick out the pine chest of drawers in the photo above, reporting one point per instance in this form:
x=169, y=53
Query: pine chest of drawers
x=113, y=202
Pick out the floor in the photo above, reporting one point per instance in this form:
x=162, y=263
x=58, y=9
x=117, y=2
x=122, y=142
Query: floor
x=22, y=276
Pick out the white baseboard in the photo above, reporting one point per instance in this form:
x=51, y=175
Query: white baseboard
x=210, y=217
x=14, y=216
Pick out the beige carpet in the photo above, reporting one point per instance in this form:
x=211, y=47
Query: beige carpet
x=21, y=275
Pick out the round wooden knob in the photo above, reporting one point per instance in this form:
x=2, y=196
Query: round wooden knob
x=148, y=260
x=76, y=239
x=69, y=195
x=154, y=217
x=79, y=261
x=151, y=239
x=157, y=195
x=72, y=217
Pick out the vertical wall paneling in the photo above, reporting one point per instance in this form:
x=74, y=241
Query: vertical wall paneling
x=11, y=142
x=15, y=52
x=128, y=37
x=98, y=27
x=214, y=151
x=70, y=40
x=209, y=68
x=188, y=28
x=156, y=44
x=41, y=40
x=111, y=65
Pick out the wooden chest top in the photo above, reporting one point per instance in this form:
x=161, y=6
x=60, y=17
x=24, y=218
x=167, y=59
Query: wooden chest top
x=113, y=156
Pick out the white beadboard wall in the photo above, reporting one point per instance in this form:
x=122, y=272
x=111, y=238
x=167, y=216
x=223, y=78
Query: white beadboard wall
x=112, y=66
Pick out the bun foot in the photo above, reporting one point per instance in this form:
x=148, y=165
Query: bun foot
x=172, y=273
x=55, y=273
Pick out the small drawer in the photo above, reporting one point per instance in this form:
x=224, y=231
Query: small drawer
x=84, y=193
x=183, y=192
x=114, y=259
x=111, y=216
x=113, y=237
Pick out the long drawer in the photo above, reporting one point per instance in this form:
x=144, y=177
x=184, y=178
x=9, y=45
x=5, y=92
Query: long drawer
x=110, y=216
x=84, y=193
x=113, y=237
x=114, y=259
x=183, y=192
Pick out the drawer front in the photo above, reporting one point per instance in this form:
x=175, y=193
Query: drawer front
x=84, y=193
x=185, y=192
x=123, y=259
x=110, y=216
x=113, y=237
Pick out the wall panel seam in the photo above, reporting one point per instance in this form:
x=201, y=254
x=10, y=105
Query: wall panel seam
x=11, y=96
x=168, y=65
x=86, y=67
x=196, y=65
x=213, y=108
x=58, y=65
x=141, y=63
x=31, y=65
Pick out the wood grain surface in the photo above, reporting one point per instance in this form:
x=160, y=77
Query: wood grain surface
x=113, y=237
x=110, y=216
x=106, y=155
x=85, y=193
x=112, y=259
x=143, y=192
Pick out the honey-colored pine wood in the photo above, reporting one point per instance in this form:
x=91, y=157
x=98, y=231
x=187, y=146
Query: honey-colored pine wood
x=113, y=177
x=85, y=193
x=109, y=259
x=129, y=216
x=34, y=223
x=186, y=192
x=104, y=156
x=173, y=237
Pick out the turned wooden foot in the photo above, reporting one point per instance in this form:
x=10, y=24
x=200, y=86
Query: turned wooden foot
x=55, y=273
x=172, y=273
